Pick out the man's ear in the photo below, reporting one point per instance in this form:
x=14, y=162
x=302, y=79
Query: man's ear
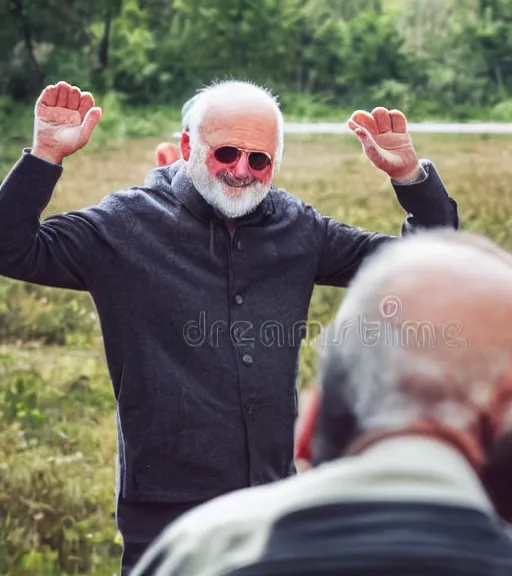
x=166, y=154
x=185, y=145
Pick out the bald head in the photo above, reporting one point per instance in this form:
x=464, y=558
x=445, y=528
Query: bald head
x=424, y=332
x=440, y=278
x=234, y=145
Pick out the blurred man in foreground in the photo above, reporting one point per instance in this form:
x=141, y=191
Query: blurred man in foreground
x=412, y=443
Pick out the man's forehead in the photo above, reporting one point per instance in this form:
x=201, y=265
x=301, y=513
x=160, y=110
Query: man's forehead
x=249, y=125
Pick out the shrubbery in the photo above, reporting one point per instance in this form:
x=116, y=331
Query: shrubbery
x=56, y=464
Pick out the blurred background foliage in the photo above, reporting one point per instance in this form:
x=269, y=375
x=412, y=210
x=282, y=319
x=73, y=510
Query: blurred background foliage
x=435, y=58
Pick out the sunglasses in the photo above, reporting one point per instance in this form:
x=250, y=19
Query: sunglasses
x=229, y=154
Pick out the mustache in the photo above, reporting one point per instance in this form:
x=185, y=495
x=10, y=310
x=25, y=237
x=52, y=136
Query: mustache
x=228, y=178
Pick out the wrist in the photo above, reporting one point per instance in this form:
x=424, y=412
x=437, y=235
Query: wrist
x=417, y=174
x=47, y=155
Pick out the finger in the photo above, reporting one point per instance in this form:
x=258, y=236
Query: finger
x=86, y=103
x=74, y=98
x=166, y=154
x=63, y=84
x=398, y=121
x=62, y=98
x=91, y=120
x=364, y=136
x=382, y=119
x=49, y=95
x=366, y=120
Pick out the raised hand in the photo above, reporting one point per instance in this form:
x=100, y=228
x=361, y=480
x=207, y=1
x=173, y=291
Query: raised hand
x=386, y=142
x=65, y=118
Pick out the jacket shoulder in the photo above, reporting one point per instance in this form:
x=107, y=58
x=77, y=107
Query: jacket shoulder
x=292, y=207
x=140, y=200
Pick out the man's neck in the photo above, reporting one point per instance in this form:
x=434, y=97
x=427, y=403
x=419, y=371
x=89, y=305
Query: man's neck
x=466, y=444
x=401, y=468
x=230, y=224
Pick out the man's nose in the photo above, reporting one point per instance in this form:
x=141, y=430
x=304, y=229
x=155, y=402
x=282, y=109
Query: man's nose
x=241, y=168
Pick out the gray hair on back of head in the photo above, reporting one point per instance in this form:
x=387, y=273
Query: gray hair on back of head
x=362, y=356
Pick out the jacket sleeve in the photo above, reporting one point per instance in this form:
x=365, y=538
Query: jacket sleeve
x=427, y=205
x=62, y=250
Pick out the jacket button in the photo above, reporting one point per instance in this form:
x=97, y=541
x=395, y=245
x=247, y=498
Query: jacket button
x=247, y=359
x=239, y=299
x=239, y=245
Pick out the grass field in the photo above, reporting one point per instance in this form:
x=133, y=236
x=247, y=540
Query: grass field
x=57, y=427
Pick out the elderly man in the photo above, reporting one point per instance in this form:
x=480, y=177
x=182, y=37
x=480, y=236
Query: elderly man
x=191, y=275
x=416, y=394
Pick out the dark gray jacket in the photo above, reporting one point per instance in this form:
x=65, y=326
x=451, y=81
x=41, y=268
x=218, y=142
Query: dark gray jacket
x=202, y=328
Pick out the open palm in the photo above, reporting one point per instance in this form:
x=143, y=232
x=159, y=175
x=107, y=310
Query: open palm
x=64, y=120
x=385, y=140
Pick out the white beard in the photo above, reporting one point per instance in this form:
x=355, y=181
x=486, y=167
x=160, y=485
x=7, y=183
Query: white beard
x=217, y=193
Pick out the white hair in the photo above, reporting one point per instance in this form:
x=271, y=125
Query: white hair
x=366, y=351
x=234, y=90
x=213, y=190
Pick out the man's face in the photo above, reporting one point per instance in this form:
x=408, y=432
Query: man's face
x=233, y=163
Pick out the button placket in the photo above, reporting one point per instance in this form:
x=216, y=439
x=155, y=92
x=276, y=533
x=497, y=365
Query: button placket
x=246, y=359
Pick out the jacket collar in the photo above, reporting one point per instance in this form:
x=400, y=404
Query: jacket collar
x=408, y=468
